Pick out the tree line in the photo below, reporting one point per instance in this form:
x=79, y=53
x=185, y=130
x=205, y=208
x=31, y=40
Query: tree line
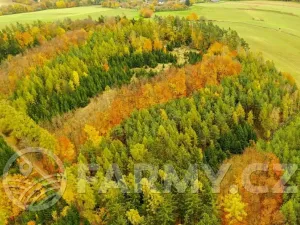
x=34, y=5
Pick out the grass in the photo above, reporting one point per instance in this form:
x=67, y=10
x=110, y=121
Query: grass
x=58, y=14
x=269, y=27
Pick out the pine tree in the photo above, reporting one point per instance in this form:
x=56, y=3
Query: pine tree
x=166, y=212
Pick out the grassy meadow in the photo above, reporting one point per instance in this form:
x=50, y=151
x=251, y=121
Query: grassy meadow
x=269, y=27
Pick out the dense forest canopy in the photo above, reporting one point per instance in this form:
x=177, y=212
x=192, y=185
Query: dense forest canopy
x=106, y=59
x=168, y=91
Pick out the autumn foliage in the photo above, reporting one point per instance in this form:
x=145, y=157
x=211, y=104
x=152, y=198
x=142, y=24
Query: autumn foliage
x=216, y=64
x=66, y=149
x=121, y=92
x=22, y=65
x=35, y=5
x=146, y=12
x=160, y=90
x=174, y=83
x=192, y=17
x=30, y=190
x=111, y=4
x=256, y=208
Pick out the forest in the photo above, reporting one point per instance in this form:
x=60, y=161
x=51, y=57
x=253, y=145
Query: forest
x=172, y=95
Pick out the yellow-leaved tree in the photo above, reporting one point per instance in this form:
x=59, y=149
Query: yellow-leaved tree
x=234, y=209
x=134, y=217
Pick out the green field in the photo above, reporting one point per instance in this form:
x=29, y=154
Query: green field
x=57, y=14
x=269, y=27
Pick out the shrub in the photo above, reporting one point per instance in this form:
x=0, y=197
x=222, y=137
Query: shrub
x=61, y=4
x=192, y=17
x=146, y=13
x=111, y=4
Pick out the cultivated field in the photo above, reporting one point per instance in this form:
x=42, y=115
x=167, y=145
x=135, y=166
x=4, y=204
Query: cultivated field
x=269, y=27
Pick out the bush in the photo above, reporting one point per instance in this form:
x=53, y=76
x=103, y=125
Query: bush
x=61, y=4
x=192, y=17
x=111, y=4
x=146, y=13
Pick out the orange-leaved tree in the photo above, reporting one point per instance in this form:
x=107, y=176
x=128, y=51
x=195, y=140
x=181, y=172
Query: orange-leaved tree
x=243, y=185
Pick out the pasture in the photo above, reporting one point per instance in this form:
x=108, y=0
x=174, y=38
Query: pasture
x=58, y=14
x=269, y=27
